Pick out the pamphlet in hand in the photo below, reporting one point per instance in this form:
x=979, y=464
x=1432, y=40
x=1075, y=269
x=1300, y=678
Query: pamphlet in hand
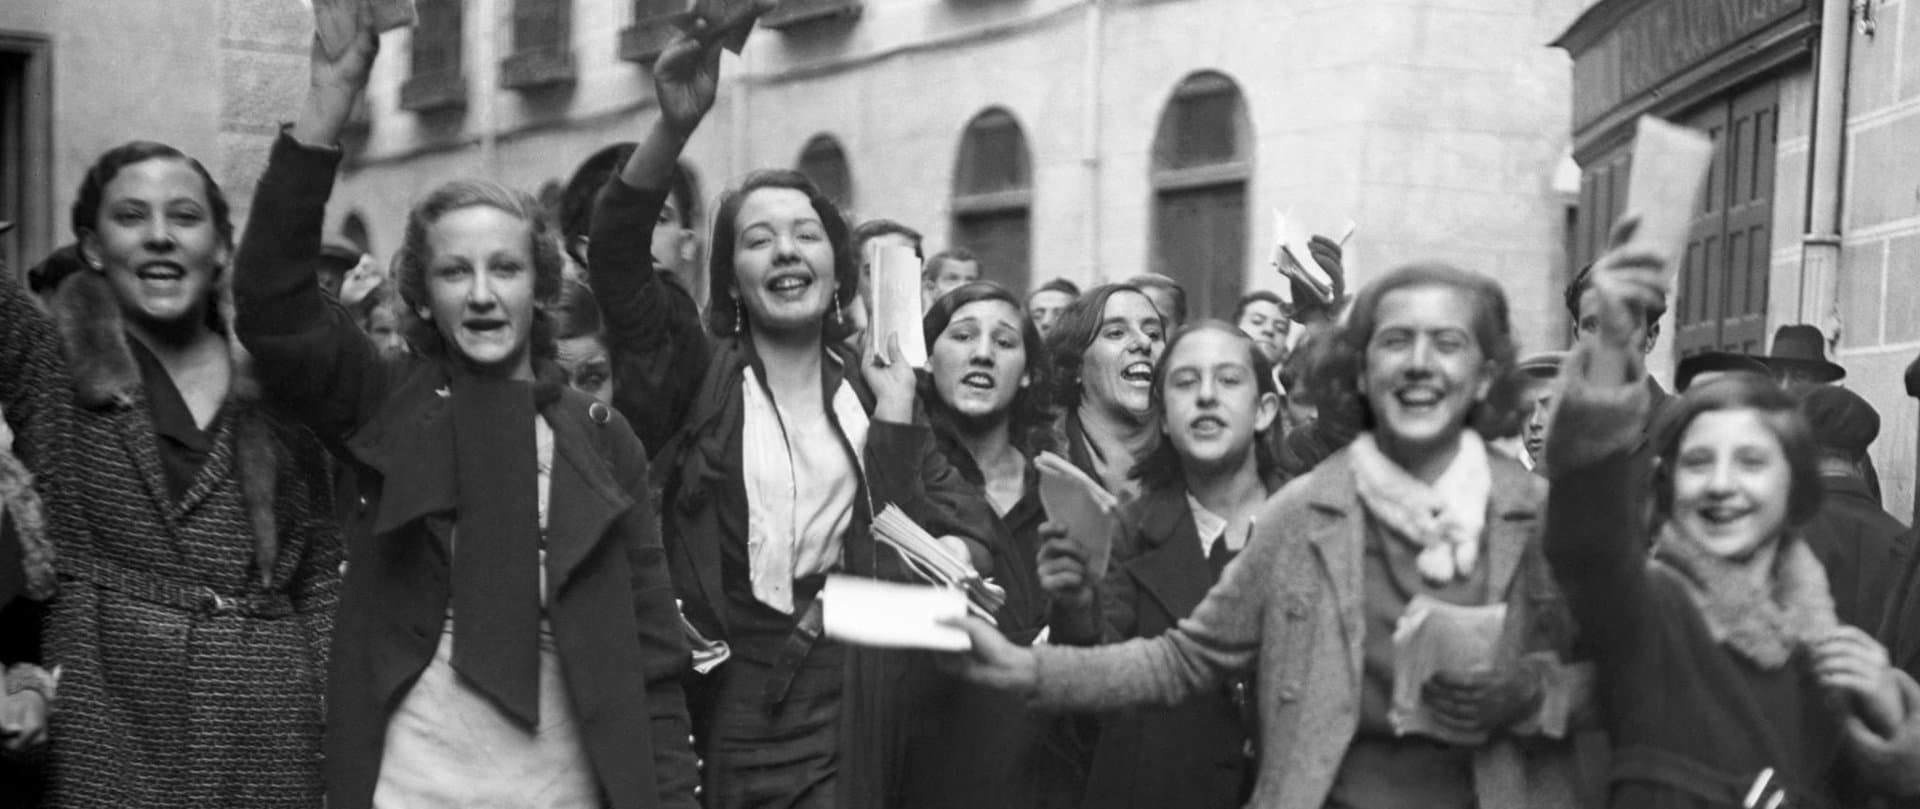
x=1670, y=167
x=896, y=304
x=729, y=20
x=337, y=21
x=1295, y=262
x=868, y=612
x=1087, y=509
x=1434, y=636
x=936, y=564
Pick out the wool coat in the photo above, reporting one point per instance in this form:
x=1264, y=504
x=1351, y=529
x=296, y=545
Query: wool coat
x=1289, y=610
x=609, y=597
x=1859, y=545
x=700, y=474
x=192, y=632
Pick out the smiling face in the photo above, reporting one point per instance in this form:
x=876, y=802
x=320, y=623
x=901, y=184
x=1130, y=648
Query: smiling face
x=782, y=261
x=979, y=363
x=1045, y=306
x=1211, y=404
x=1116, y=369
x=1424, y=372
x=480, y=288
x=1267, y=325
x=1731, y=482
x=157, y=243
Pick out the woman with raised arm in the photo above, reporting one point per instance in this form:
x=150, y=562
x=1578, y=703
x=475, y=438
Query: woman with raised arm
x=1216, y=400
x=1724, y=677
x=508, y=634
x=780, y=456
x=1415, y=513
x=1103, y=349
x=197, y=560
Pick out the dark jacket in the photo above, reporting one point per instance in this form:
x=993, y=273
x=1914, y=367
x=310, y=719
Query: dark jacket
x=610, y=601
x=1195, y=754
x=1857, y=543
x=699, y=471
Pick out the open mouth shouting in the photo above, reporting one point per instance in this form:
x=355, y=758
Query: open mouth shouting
x=161, y=275
x=489, y=328
x=1207, y=426
x=1138, y=373
x=978, y=380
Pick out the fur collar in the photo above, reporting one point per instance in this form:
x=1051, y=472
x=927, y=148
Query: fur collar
x=1763, y=624
x=22, y=504
x=105, y=375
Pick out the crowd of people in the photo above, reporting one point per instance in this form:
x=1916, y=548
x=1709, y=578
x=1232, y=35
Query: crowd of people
x=533, y=517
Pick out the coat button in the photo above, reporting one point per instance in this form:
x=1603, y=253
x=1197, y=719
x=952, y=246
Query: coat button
x=599, y=413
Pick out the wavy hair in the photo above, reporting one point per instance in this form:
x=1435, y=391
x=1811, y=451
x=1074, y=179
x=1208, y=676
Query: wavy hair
x=1162, y=466
x=415, y=256
x=1030, y=416
x=1067, y=343
x=1334, y=379
x=722, y=318
x=93, y=187
x=1777, y=410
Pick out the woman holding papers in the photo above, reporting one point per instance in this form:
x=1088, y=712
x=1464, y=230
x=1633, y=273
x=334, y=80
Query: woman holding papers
x=1724, y=677
x=779, y=458
x=1414, y=519
x=507, y=628
x=1103, y=350
x=987, y=392
x=1199, y=491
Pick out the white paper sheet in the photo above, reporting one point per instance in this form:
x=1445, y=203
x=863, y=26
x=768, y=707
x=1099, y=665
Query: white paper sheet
x=1670, y=168
x=868, y=612
x=896, y=303
x=1434, y=636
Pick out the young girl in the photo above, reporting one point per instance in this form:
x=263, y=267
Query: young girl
x=1215, y=395
x=1415, y=507
x=508, y=633
x=1725, y=678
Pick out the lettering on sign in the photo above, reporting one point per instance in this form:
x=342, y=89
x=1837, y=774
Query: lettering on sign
x=1655, y=42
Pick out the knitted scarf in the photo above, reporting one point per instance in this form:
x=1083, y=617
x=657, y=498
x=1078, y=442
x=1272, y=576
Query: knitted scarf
x=1444, y=518
x=1763, y=624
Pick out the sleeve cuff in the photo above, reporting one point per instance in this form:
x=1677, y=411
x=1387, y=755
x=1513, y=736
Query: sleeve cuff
x=1591, y=421
x=308, y=170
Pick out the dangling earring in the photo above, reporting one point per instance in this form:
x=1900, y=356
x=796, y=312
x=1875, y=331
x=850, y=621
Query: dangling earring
x=739, y=317
x=839, y=312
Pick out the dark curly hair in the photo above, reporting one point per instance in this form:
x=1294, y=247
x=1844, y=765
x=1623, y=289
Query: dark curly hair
x=411, y=262
x=1334, y=381
x=1067, y=343
x=1778, y=410
x=1030, y=417
x=1161, y=467
x=721, y=315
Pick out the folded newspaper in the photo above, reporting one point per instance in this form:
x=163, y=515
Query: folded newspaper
x=1077, y=501
x=1431, y=637
x=934, y=563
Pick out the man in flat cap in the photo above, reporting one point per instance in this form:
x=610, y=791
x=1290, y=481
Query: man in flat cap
x=1854, y=538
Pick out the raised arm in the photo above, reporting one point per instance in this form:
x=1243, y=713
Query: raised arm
x=1596, y=535
x=653, y=331
x=308, y=351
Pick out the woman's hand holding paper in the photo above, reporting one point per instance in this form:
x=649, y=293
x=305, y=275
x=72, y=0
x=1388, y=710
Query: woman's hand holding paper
x=994, y=661
x=1481, y=701
x=1063, y=568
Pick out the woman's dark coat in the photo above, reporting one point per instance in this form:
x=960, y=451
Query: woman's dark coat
x=610, y=602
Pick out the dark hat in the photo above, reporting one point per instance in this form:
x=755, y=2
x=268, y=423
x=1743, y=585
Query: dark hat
x=1715, y=362
x=1803, y=347
x=1840, y=419
x=1543, y=365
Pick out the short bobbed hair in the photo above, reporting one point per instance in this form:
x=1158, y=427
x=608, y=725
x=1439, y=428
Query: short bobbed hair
x=1334, y=381
x=1778, y=411
x=1068, y=340
x=723, y=317
x=410, y=264
x=1161, y=467
x=93, y=187
x=1030, y=417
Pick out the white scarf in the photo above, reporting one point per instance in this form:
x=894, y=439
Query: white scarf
x=1444, y=518
x=786, y=537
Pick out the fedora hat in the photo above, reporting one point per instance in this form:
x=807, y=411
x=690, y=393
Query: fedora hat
x=1715, y=362
x=1804, y=348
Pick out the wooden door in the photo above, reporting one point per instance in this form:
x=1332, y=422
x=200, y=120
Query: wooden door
x=1002, y=240
x=1721, y=294
x=1202, y=243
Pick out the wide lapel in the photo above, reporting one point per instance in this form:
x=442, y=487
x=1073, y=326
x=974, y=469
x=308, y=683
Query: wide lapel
x=215, y=470
x=409, y=442
x=143, y=447
x=583, y=499
x=1512, y=516
x=1172, y=570
x=1338, y=536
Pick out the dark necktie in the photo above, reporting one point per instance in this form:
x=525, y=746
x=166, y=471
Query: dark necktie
x=1218, y=555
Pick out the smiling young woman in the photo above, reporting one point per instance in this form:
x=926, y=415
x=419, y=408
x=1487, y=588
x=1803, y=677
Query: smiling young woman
x=1103, y=349
x=509, y=632
x=197, y=568
x=776, y=463
x=1414, y=509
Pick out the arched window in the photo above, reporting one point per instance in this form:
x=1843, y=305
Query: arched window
x=354, y=230
x=993, y=197
x=1202, y=157
x=824, y=162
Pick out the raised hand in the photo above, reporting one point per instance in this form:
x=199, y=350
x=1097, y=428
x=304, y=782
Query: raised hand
x=335, y=82
x=893, y=383
x=686, y=79
x=1627, y=283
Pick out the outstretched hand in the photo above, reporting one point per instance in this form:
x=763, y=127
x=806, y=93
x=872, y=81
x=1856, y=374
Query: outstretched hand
x=994, y=661
x=1628, y=282
x=686, y=79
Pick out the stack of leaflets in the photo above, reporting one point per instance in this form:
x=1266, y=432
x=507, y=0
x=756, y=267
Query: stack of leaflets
x=1087, y=509
x=934, y=563
x=1295, y=263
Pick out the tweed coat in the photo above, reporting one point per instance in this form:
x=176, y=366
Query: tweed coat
x=192, y=633
x=1289, y=607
